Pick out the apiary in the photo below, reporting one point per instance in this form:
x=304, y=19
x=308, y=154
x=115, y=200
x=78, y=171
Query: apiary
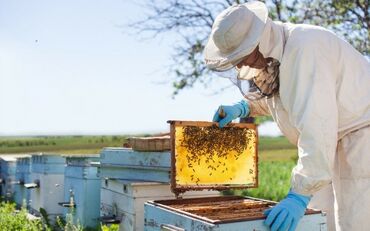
x=129, y=164
x=22, y=175
x=46, y=184
x=82, y=190
x=207, y=157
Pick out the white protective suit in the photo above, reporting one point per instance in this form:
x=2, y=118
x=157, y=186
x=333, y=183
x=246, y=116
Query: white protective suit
x=323, y=107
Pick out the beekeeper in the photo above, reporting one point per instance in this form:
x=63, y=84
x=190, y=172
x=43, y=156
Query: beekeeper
x=316, y=87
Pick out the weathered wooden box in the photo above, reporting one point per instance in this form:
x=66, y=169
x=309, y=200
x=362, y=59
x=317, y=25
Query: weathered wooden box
x=150, y=144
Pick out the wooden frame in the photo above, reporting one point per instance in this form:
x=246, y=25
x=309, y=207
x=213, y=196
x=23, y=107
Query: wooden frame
x=177, y=188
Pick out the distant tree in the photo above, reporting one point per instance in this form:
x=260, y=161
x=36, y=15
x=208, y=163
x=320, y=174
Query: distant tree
x=192, y=20
x=350, y=19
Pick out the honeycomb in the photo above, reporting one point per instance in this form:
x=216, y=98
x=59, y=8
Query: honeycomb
x=208, y=155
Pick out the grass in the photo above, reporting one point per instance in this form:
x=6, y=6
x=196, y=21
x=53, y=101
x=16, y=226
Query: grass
x=59, y=144
x=277, y=148
x=274, y=143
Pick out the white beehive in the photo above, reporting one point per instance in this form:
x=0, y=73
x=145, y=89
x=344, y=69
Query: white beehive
x=123, y=201
x=47, y=184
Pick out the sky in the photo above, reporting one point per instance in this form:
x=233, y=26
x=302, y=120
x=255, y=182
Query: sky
x=74, y=67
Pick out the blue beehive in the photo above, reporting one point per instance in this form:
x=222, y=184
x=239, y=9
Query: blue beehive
x=22, y=175
x=82, y=190
x=46, y=184
x=7, y=176
x=127, y=164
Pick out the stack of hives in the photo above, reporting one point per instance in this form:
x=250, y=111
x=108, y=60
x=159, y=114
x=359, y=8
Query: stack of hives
x=22, y=176
x=46, y=184
x=132, y=176
x=56, y=183
x=7, y=175
x=82, y=190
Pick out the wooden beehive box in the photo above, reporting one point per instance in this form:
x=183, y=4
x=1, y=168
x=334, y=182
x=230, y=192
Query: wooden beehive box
x=223, y=213
x=150, y=144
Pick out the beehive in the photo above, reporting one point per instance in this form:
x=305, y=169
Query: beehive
x=128, y=164
x=22, y=176
x=122, y=201
x=129, y=178
x=219, y=214
x=82, y=190
x=7, y=175
x=207, y=157
x=46, y=184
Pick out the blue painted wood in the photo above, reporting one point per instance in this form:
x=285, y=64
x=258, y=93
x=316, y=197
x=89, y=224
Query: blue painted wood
x=48, y=170
x=82, y=185
x=7, y=176
x=80, y=167
x=136, y=174
x=126, y=164
x=48, y=164
x=22, y=175
x=157, y=217
x=126, y=156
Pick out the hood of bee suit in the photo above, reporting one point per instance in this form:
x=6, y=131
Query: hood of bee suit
x=271, y=45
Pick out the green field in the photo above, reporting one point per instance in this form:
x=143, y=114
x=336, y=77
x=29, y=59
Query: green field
x=59, y=144
x=276, y=157
x=269, y=148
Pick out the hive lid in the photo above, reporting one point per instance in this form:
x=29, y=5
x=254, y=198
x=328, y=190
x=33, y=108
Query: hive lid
x=204, y=156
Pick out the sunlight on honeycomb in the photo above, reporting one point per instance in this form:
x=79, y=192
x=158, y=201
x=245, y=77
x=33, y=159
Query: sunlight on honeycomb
x=216, y=161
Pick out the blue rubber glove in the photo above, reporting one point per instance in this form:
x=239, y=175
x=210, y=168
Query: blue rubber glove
x=286, y=214
x=232, y=112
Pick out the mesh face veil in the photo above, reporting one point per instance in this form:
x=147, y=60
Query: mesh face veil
x=266, y=82
x=259, y=83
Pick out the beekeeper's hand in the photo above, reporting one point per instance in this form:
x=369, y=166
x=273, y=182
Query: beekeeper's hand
x=226, y=114
x=286, y=214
